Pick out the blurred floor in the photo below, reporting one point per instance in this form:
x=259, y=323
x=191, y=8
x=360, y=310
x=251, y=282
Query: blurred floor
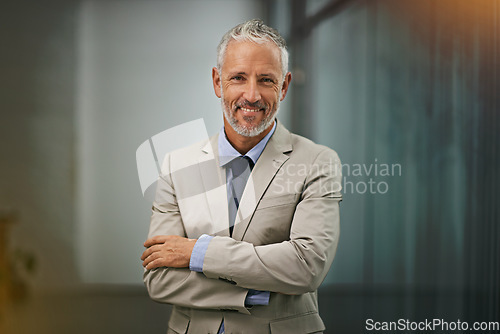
x=88, y=309
x=128, y=309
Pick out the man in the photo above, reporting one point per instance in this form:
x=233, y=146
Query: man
x=245, y=225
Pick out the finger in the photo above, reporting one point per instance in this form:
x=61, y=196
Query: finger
x=150, y=250
x=145, y=254
x=159, y=239
x=151, y=241
x=150, y=258
x=155, y=264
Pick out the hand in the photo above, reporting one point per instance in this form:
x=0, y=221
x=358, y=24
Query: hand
x=167, y=251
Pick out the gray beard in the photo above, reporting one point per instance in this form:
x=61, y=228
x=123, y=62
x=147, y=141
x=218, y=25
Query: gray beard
x=242, y=130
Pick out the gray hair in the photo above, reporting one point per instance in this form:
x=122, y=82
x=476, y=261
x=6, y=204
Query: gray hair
x=256, y=31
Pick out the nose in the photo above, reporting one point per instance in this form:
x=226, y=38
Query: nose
x=252, y=93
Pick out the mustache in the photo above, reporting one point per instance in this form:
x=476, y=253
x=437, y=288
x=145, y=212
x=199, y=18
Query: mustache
x=248, y=104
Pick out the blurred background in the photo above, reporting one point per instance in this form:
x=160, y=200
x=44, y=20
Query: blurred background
x=406, y=91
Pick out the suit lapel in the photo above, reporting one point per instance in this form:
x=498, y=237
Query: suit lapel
x=263, y=173
x=214, y=182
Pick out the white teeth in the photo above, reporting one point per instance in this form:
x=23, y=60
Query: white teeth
x=249, y=110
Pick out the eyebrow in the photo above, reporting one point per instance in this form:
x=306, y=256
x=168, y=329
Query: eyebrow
x=260, y=75
x=236, y=73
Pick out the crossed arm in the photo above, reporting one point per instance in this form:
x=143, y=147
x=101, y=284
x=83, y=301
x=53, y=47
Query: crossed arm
x=294, y=266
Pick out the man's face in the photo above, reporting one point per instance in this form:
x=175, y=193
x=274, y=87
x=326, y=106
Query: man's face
x=251, y=86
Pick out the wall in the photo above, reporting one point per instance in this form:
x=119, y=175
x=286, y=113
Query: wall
x=143, y=67
x=37, y=90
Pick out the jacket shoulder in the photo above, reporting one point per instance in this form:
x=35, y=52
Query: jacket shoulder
x=310, y=150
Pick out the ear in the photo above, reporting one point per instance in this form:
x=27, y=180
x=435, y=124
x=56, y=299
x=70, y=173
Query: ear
x=216, y=81
x=286, y=84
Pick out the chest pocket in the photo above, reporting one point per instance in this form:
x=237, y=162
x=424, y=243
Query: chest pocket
x=272, y=219
x=274, y=201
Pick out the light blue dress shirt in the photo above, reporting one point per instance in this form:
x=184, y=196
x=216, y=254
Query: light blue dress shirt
x=228, y=153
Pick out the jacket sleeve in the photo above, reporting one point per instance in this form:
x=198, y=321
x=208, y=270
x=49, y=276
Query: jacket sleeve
x=297, y=265
x=184, y=287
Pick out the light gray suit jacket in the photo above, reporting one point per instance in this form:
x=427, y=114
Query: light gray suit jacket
x=284, y=239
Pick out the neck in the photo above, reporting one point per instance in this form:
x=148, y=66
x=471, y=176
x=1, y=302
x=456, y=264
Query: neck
x=241, y=143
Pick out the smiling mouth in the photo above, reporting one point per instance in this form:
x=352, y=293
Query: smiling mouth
x=250, y=114
x=250, y=110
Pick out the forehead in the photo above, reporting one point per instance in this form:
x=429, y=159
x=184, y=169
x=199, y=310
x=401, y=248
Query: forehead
x=248, y=54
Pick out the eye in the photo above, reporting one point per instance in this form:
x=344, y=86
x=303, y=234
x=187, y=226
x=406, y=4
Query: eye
x=237, y=78
x=267, y=80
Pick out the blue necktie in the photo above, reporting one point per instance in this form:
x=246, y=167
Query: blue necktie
x=241, y=168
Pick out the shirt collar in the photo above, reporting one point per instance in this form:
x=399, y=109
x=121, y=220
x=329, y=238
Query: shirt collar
x=228, y=153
